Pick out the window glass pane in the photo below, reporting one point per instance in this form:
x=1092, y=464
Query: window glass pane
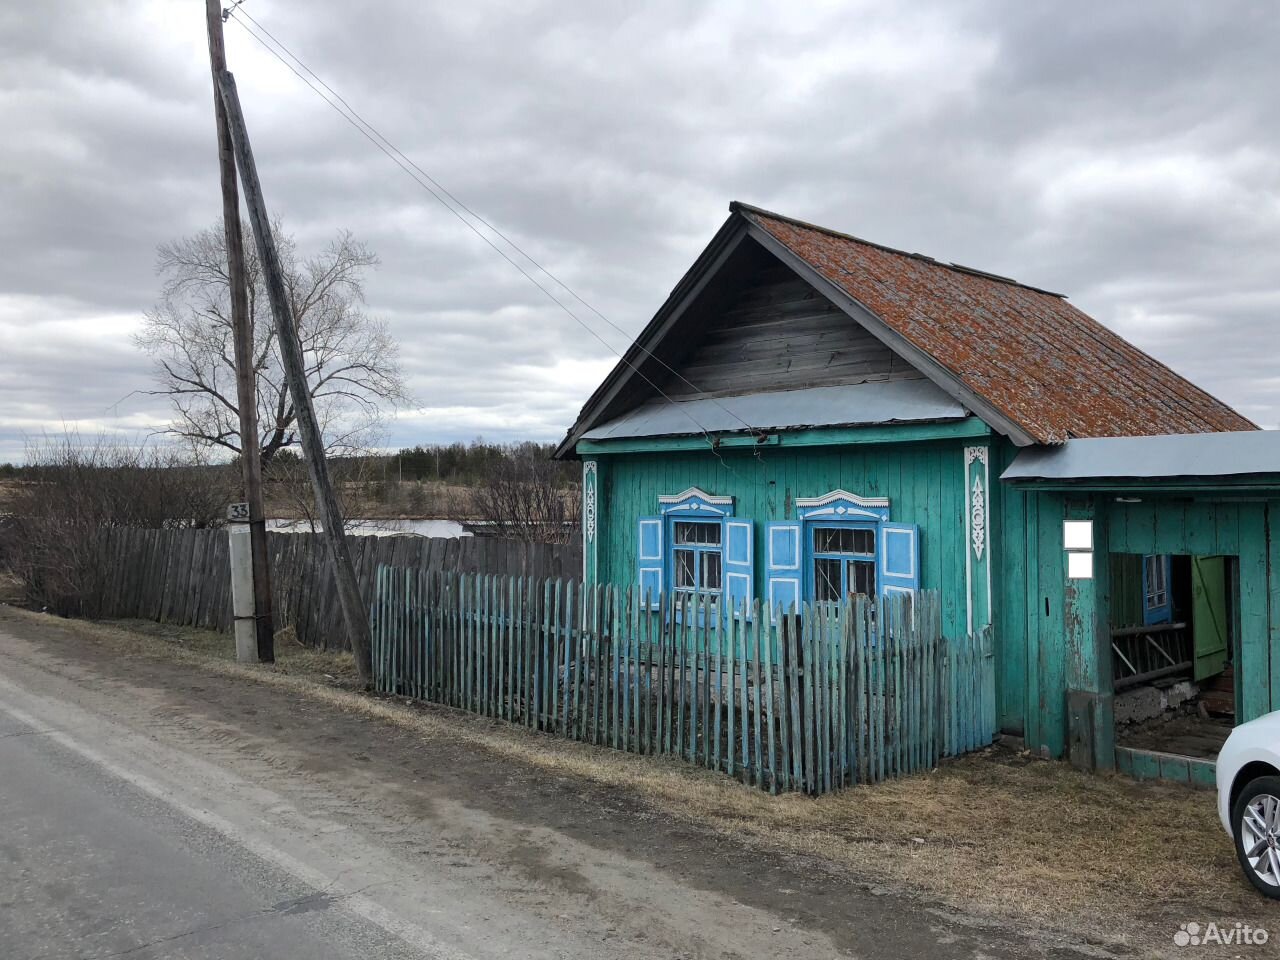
x=862, y=578
x=686, y=575
x=836, y=540
x=693, y=532
x=845, y=540
x=1157, y=588
x=711, y=570
x=826, y=579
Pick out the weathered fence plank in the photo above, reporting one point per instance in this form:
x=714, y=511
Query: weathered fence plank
x=810, y=699
x=181, y=575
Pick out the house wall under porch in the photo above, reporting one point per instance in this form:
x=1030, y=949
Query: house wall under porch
x=1065, y=657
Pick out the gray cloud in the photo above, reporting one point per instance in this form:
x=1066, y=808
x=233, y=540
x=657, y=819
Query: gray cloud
x=1125, y=154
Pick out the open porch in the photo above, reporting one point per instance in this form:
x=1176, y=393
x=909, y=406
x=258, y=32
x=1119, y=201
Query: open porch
x=1160, y=554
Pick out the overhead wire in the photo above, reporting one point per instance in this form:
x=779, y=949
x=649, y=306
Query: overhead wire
x=454, y=205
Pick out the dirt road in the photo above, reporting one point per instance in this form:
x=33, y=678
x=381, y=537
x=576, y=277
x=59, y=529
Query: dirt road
x=157, y=809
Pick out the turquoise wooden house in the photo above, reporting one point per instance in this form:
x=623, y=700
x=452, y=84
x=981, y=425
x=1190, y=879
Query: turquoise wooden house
x=810, y=415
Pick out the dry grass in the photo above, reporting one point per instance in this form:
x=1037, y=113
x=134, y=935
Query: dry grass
x=996, y=833
x=292, y=657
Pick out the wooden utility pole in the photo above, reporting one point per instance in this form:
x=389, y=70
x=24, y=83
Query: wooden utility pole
x=242, y=327
x=296, y=374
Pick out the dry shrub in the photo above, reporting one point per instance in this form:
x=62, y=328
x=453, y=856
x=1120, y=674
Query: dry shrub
x=526, y=497
x=73, y=491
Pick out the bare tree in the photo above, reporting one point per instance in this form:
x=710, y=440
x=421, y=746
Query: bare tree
x=352, y=361
x=526, y=498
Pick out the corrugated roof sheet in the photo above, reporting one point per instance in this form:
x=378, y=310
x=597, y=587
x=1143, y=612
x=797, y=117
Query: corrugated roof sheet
x=1185, y=455
x=1035, y=358
x=847, y=405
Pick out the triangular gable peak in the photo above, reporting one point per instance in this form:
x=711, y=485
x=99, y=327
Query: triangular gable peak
x=742, y=323
x=770, y=329
x=1026, y=362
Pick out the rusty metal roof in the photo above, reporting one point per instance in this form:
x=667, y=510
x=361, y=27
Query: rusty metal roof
x=1039, y=362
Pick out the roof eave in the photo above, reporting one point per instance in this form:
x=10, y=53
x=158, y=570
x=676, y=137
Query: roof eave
x=726, y=240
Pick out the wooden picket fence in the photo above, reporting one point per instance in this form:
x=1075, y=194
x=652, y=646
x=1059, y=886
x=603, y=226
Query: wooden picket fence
x=180, y=576
x=807, y=700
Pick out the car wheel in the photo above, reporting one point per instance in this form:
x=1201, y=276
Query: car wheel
x=1255, y=822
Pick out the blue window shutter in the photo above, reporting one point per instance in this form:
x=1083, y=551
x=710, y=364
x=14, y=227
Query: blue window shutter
x=649, y=558
x=739, y=552
x=899, y=558
x=783, y=553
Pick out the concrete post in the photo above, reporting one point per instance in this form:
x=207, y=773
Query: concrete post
x=241, y=554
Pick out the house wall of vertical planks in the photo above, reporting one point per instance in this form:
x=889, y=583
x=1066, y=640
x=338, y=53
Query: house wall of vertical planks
x=924, y=482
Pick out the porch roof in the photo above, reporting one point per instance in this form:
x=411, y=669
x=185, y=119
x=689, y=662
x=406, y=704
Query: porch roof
x=1251, y=453
x=893, y=401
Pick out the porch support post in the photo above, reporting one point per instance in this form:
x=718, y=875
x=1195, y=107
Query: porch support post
x=592, y=518
x=1090, y=697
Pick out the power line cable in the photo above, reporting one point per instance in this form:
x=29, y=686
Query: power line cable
x=502, y=253
x=440, y=192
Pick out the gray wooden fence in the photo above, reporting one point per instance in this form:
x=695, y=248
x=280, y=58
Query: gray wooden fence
x=808, y=700
x=183, y=576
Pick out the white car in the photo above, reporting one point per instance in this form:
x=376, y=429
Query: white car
x=1249, y=799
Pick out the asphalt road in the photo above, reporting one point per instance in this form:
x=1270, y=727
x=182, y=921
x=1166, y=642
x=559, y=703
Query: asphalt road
x=95, y=867
x=131, y=825
x=153, y=809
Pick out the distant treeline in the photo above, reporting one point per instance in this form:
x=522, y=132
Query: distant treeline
x=468, y=464
x=463, y=464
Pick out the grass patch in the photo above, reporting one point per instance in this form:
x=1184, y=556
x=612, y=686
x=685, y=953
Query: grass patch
x=996, y=833
x=292, y=657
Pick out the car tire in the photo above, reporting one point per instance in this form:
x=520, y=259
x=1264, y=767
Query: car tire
x=1255, y=824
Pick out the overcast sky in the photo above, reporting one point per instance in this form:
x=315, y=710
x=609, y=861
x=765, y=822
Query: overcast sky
x=1125, y=154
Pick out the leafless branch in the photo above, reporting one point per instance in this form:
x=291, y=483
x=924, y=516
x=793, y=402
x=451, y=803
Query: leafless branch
x=352, y=361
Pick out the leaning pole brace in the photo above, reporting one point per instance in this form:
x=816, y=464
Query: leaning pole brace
x=295, y=373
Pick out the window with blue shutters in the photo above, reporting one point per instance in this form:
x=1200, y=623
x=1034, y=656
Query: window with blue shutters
x=697, y=547
x=842, y=545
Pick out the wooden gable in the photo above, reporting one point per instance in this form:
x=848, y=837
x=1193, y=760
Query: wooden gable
x=775, y=331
